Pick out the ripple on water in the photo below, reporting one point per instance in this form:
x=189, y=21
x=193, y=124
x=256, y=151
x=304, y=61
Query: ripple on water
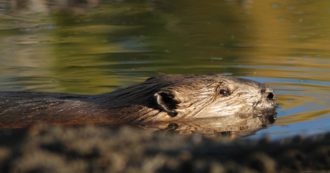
x=303, y=107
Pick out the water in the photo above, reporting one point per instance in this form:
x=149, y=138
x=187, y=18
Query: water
x=97, y=47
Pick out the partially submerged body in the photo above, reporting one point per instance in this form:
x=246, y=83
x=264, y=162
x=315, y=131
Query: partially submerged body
x=167, y=98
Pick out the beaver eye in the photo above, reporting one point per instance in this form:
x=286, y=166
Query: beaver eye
x=224, y=92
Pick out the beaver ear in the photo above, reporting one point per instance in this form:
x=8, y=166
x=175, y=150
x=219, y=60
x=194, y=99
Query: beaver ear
x=167, y=102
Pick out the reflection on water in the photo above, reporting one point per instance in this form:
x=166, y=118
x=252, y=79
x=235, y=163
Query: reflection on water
x=95, y=47
x=231, y=127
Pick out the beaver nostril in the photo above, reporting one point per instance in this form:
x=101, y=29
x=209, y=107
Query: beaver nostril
x=270, y=96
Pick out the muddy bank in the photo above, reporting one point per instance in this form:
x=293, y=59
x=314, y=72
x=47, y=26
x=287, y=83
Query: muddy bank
x=98, y=150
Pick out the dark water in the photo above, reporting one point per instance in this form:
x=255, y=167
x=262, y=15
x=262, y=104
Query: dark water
x=95, y=47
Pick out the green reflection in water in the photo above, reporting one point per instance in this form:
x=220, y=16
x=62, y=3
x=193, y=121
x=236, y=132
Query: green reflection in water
x=130, y=39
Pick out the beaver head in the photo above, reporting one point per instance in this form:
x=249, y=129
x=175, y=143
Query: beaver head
x=182, y=98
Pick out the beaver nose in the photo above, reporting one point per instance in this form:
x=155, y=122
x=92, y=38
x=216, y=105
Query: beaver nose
x=268, y=93
x=270, y=96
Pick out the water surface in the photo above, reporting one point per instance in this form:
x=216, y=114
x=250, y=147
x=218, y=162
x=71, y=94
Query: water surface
x=98, y=46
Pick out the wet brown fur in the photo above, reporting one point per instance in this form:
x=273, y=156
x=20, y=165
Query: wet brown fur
x=134, y=104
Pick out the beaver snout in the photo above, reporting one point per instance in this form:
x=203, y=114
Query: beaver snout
x=266, y=107
x=268, y=94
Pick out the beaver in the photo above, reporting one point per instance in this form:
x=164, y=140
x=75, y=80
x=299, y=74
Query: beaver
x=164, y=98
